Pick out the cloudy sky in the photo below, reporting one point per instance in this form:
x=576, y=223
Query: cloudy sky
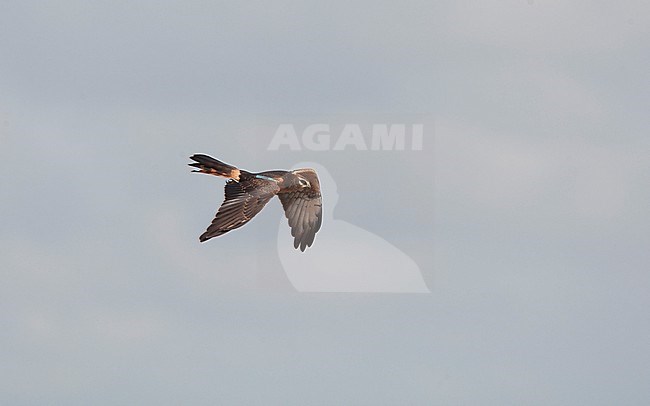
x=526, y=211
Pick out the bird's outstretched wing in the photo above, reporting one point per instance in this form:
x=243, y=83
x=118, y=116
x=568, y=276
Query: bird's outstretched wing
x=304, y=210
x=243, y=201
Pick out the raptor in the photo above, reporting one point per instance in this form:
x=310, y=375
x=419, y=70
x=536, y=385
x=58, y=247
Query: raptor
x=246, y=193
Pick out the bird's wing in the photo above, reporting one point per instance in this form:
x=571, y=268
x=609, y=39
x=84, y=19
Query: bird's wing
x=304, y=210
x=243, y=201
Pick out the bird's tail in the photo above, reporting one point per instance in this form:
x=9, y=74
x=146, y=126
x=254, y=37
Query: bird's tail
x=212, y=166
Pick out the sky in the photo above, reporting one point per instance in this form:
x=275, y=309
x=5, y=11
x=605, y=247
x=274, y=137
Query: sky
x=525, y=211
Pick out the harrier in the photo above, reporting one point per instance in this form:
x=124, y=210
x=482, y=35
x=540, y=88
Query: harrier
x=248, y=192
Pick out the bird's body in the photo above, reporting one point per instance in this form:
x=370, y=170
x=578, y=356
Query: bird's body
x=246, y=193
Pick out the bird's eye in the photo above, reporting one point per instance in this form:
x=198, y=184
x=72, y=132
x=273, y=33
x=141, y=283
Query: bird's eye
x=304, y=182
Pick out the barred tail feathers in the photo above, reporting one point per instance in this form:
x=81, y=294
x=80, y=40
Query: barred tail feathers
x=211, y=166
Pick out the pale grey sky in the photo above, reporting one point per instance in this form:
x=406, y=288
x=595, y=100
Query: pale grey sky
x=526, y=211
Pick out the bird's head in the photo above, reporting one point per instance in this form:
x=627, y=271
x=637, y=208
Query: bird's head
x=302, y=179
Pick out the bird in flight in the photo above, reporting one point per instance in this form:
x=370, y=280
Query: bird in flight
x=248, y=192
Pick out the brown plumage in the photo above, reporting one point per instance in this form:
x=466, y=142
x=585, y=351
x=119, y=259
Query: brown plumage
x=246, y=193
